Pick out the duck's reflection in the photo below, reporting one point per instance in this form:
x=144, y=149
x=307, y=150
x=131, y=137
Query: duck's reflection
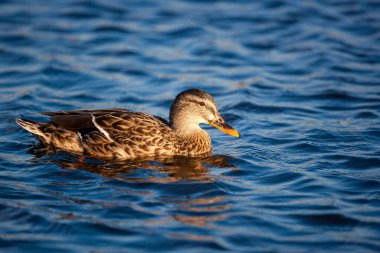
x=188, y=209
x=157, y=170
x=206, y=210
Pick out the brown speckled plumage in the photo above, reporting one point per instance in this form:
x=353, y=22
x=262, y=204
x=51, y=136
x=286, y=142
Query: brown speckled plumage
x=122, y=134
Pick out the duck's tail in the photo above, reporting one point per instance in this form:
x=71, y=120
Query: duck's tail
x=52, y=135
x=31, y=126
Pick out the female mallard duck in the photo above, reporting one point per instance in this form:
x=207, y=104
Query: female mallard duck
x=122, y=134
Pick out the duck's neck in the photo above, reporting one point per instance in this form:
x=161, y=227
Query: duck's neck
x=192, y=140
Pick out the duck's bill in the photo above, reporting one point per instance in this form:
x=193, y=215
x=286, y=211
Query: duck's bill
x=225, y=128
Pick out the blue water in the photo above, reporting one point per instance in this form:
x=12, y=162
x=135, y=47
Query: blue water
x=299, y=79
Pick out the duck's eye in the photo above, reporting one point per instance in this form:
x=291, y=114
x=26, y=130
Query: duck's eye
x=202, y=103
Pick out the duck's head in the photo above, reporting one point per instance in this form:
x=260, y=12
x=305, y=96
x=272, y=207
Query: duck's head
x=193, y=107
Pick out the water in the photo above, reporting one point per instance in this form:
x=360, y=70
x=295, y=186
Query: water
x=299, y=79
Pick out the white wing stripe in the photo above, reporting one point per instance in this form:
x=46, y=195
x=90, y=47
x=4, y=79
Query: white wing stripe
x=106, y=134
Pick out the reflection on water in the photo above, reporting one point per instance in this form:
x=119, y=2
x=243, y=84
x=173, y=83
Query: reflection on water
x=159, y=170
x=196, y=212
x=207, y=210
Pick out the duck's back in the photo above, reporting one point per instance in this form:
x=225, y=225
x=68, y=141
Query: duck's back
x=113, y=133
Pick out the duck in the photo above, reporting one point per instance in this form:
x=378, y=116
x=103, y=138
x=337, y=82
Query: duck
x=122, y=134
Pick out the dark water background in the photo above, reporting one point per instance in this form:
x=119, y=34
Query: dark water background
x=299, y=79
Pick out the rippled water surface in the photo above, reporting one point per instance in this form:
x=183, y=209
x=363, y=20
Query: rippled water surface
x=299, y=79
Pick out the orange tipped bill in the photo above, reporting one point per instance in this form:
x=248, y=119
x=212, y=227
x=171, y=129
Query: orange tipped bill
x=225, y=128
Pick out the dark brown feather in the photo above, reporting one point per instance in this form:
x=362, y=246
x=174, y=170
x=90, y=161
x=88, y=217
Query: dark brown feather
x=78, y=120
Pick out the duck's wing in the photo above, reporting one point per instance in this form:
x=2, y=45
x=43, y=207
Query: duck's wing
x=127, y=135
x=79, y=120
x=117, y=133
x=130, y=125
x=118, y=119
